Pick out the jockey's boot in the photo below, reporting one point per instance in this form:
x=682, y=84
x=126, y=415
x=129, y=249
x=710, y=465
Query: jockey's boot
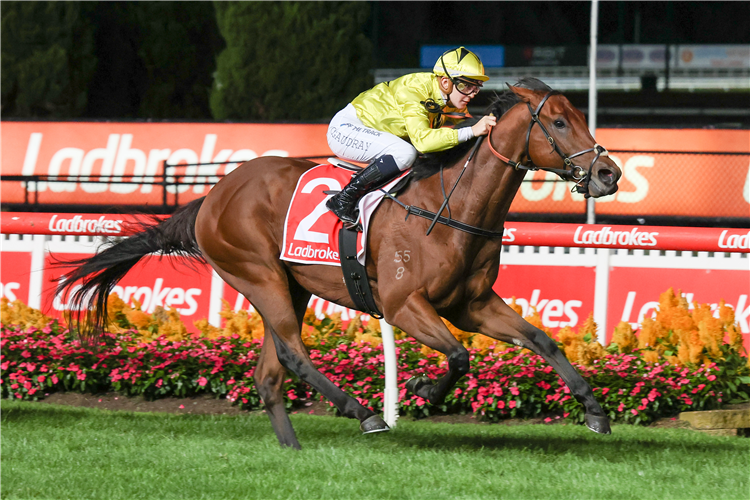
x=375, y=175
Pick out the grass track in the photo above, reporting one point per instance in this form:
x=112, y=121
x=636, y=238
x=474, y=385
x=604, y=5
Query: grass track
x=56, y=452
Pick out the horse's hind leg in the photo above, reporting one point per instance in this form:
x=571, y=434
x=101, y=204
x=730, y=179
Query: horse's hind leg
x=420, y=319
x=269, y=380
x=496, y=319
x=273, y=300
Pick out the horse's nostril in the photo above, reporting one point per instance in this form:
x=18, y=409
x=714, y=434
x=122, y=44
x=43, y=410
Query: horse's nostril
x=606, y=176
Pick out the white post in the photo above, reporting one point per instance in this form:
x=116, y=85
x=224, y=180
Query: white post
x=36, y=276
x=590, y=203
x=601, y=292
x=214, y=305
x=390, y=393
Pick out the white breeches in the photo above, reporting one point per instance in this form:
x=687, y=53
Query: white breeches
x=350, y=139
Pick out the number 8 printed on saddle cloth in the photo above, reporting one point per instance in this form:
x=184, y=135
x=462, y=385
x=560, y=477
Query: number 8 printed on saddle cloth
x=311, y=230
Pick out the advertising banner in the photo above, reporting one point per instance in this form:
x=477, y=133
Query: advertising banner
x=153, y=282
x=136, y=152
x=634, y=292
x=652, y=184
x=713, y=56
x=16, y=275
x=521, y=56
x=562, y=295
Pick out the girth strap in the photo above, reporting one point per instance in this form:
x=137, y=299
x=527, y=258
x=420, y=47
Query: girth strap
x=355, y=274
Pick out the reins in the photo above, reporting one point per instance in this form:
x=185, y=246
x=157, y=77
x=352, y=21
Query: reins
x=572, y=172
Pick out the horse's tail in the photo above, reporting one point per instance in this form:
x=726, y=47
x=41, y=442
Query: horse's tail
x=99, y=274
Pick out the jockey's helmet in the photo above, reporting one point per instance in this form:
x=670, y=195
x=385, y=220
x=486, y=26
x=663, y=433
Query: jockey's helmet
x=461, y=64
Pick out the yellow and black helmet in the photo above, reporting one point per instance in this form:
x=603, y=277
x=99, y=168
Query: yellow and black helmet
x=461, y=63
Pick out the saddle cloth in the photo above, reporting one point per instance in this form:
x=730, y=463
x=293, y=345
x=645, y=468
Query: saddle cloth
x=311, y=231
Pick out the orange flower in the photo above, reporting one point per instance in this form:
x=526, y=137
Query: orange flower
x=650, y=356
x=623, y=336
x=589, y=327
x=591, y=352
x=573, y=344
x=515, y=306
x=651, y=332
x=711, y=335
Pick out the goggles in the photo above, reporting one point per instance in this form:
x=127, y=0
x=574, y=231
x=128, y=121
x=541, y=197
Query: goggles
x=467, y=87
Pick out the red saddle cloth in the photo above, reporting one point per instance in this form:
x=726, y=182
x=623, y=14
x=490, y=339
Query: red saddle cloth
x=311, y=231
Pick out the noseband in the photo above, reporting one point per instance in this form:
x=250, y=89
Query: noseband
x=571, y=172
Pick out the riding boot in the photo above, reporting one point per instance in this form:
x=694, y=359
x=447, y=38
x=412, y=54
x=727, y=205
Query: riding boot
x=375, y=175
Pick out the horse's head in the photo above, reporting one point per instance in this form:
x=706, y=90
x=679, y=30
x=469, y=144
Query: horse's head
x=562, y=141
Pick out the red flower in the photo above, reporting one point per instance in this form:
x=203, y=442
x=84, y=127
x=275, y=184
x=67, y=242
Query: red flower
x=202, y=381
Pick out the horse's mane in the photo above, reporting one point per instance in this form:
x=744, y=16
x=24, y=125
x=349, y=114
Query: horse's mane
x=430, y=163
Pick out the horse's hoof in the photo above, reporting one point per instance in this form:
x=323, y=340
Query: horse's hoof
x=373, y=424
x=416, y=383
x=597, y=424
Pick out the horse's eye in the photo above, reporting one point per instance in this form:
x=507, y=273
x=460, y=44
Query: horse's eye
x=559, y=124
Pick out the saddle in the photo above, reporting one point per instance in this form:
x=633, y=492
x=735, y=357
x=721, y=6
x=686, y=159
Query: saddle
x=355, y=274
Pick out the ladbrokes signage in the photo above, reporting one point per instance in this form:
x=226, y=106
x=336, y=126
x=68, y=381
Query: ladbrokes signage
x=652, y=184
x=136, y=152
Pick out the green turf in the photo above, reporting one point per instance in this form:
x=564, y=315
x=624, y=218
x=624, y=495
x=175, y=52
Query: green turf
x=61, y=452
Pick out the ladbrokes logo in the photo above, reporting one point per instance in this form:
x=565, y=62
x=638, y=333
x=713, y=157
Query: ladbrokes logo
x=7, y=290
x=555, y=313
x=606, y=236
x=80, y=225
x=734, y=241
x=184, y=301
x=120, y=159
x=309, y=252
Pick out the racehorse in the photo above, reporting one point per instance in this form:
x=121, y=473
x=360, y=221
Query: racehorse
x=238, y=229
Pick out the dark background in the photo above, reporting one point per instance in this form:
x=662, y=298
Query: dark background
x=158, y=60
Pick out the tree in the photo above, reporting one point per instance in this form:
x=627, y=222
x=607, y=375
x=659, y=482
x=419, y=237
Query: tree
x=47, y=59
x=179, y=47
x=289, y=60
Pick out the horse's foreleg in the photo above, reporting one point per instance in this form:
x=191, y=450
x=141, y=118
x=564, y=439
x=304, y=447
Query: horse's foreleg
x=496, y=319
x=421, y=321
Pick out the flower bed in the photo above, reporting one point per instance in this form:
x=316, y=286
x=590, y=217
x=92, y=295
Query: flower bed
x=680, y=361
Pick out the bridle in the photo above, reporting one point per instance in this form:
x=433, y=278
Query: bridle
x=571, y=172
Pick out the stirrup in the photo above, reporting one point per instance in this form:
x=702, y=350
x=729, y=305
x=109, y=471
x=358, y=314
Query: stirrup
x=338, y=162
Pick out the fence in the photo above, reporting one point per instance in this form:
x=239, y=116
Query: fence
x=563, y=271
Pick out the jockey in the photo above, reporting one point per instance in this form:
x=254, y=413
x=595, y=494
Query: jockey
x=388, y=125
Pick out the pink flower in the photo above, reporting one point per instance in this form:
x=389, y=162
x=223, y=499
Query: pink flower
x=515, y=391
x=41, y=379
x=711, y=377
x=54, y=379
x=634, y=412
x=512, y=404
x=501, y=404
x=202, y=381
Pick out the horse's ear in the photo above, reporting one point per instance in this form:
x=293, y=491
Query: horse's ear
x=524, y=94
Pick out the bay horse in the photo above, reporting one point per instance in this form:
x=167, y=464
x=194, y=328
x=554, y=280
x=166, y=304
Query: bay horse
x=238, y=229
